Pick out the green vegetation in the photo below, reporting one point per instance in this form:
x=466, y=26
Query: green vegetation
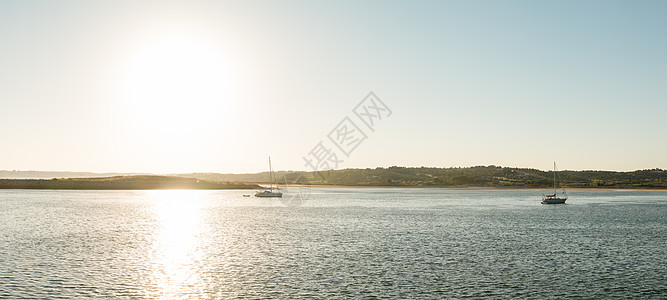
x=480, y=176
x=142, y=182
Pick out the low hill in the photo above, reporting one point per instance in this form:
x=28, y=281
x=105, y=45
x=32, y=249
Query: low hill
x=139, y=182
x=481, y=176
x=17, y=174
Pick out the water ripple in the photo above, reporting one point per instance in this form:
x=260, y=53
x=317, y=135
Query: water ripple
x=345, y=243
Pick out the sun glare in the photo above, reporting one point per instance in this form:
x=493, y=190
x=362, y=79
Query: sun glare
x=176, y=84
x=177, y=247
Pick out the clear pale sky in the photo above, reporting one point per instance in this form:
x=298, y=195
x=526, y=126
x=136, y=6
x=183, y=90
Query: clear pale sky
x=212, y=86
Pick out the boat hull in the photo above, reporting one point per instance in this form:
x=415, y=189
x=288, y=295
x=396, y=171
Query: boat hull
x=269, y=194
x=554, y=200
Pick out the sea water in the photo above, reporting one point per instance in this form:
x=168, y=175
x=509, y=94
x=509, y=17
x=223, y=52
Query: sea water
x=340, y=243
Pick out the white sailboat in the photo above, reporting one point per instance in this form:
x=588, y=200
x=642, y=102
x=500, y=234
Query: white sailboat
x=269, y=192
x=555, y=198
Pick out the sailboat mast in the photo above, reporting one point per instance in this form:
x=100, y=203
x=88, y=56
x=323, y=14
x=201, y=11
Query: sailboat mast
x=271, y=175
x=554, y=178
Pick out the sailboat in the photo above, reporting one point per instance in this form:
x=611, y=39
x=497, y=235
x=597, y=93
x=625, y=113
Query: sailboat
x=269, y=192
x=555, y=198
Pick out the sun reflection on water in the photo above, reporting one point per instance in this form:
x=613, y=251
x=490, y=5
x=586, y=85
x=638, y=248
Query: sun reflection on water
x=177, y=252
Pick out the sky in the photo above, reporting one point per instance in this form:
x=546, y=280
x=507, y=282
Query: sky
x=217, y=86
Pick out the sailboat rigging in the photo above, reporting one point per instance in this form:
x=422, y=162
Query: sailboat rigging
x=555, y=198
x=269, y=192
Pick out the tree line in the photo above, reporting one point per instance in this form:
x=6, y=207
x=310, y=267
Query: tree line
x=483, y=176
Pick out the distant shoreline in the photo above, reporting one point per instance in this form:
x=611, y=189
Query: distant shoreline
x=482, y=188
x=157, y=182
x=139, y=182
x=478, y=177
x=162, y=182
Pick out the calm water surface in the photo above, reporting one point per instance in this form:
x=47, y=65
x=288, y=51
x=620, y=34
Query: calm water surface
x=342, y=243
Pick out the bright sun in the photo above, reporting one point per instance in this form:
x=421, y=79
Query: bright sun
x=176, y=84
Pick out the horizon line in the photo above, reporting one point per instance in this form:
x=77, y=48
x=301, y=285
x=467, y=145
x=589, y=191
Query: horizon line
x=351, y=168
